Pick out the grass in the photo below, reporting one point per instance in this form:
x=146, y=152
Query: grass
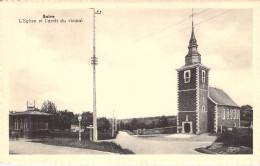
x=101, y=146
x=102, y=135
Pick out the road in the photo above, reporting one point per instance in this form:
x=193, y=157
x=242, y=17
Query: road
x=23, y=147
x=164, y=143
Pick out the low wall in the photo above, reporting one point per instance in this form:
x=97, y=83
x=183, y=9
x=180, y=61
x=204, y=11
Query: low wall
x=237, y=130
x=166, y=130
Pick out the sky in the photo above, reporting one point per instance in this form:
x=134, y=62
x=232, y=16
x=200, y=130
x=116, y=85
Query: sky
x=139, y=51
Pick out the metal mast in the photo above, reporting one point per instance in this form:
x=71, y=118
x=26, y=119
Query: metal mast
x=94, y=62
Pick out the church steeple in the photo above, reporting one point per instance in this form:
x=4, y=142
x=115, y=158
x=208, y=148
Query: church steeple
x=193, y=56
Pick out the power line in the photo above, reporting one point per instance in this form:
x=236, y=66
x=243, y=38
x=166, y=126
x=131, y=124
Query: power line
x=197, y=23
x=176, y=23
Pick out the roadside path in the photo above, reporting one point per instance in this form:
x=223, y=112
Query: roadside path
x=23, y=147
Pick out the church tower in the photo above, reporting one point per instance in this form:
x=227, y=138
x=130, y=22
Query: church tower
x=192, y=92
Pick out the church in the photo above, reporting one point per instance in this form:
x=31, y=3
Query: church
x=202, y=108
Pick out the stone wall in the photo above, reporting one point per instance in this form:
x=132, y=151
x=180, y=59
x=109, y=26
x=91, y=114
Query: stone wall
x=166, y=130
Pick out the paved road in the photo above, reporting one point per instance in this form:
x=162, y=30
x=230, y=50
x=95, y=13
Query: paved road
x=164, y=144
x=23, y=147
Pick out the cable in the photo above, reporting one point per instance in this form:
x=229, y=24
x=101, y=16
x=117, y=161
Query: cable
x=197, y=23
x=176, y=23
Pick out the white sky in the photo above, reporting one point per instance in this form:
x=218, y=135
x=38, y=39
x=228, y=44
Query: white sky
x=138, y=51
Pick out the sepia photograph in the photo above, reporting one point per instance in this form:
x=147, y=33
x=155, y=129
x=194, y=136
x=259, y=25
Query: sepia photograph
x=127, y=81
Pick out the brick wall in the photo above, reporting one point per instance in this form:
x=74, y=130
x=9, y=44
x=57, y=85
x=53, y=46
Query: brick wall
x=191, y=84
x=227, y=121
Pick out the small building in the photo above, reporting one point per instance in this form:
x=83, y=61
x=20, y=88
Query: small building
x=30, y=123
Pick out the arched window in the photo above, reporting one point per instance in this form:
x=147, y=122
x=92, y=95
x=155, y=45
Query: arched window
x=187, y=76
x=203, y=76
x=203, y=108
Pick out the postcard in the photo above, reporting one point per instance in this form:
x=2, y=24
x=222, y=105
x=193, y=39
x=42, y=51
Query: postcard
x=129, y=82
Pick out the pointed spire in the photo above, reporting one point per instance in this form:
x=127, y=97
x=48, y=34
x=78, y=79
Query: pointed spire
x=193, y=56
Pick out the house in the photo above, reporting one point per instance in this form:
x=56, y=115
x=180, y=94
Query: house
x=201, y=108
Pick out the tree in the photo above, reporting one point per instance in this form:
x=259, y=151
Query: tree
x=142, y=125
x=87, y=119
x=127, y=126
x=163, y=122
x=134, y=124
x=246, y=113
x=49, y=107
x=103, y=124
x=121, y=125
x=64, y=119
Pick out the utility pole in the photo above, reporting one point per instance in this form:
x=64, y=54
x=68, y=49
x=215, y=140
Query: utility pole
x=94, y=63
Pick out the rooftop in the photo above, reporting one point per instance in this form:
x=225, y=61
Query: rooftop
x=220, y=97
x=30, y=112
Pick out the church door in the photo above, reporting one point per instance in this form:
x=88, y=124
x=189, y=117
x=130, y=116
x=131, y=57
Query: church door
x=187, y=127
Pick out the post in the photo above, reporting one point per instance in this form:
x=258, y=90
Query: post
x=79, y=118
x=113, y=125
x=94, y=63
x=90, y=131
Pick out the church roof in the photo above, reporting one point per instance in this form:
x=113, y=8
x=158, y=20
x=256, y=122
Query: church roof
x=30, y=112
x=220, y=97
x=192, y=66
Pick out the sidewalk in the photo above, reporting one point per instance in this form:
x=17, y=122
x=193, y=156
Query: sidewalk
x=24, y=147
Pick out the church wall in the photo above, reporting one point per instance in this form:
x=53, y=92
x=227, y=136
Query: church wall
x=191, y=84
x=187, y=100
x=191, y=117
x=203, y=85
x=211, y=115
x=232, y=120
x=203, y=115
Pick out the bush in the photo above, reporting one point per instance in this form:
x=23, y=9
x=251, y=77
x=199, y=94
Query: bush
x=235, y=139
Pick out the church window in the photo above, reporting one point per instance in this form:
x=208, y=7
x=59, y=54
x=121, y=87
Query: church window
x=203, y=76
x=203, y=108
x=224, y=113
x=187, y=76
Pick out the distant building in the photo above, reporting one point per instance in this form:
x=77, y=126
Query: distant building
x=30, y=123
x=202, y=108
